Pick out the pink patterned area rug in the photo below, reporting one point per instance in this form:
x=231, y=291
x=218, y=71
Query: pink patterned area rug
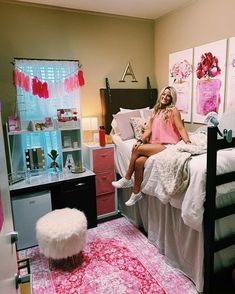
x=117, y=259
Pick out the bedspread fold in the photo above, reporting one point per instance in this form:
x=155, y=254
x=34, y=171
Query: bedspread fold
x=166, y=174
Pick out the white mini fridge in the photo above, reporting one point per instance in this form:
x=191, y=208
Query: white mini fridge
x=26, y=210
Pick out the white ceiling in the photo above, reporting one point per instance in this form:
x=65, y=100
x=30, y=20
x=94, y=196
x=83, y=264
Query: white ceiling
x=149, y=9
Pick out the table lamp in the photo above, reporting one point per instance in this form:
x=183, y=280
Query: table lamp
x=90, y=125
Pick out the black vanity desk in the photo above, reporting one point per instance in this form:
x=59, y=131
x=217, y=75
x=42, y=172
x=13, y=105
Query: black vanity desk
x=74, y=190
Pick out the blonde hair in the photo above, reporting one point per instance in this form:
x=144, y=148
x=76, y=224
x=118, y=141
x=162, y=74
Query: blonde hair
x=167, y=109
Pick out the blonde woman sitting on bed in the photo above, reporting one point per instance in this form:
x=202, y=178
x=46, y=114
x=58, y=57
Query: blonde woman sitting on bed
x=165, y=128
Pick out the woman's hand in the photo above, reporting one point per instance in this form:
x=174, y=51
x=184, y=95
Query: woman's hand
x=137, y=144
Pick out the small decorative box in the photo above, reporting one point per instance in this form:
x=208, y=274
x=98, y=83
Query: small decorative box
x=68, y=118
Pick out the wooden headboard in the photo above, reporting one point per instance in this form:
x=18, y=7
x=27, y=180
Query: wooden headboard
x=113, y=99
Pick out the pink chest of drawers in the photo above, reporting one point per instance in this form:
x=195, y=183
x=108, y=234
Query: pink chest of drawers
x=101, y=161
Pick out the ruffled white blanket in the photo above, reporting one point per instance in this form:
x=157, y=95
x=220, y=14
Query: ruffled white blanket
x=166, y=173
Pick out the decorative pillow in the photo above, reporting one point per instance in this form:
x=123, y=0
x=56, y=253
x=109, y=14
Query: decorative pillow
x=124, y=127
x=138, y=125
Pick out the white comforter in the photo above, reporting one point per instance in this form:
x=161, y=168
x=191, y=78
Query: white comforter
x=187, y=171
x=194, y=197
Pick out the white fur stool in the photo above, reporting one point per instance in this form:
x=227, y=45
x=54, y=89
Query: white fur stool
x=61, y=234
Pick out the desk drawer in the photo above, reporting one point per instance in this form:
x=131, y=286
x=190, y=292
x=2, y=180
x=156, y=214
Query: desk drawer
x=80, y=184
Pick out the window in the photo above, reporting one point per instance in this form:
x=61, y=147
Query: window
x=42, y=87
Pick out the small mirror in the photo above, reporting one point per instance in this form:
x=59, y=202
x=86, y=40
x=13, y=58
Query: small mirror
x=35, y=159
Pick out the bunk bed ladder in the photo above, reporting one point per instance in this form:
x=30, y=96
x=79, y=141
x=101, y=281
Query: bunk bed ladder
x=211, y=213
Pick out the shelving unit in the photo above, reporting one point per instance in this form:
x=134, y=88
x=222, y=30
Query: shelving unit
x=71, y=145
x=66, y=140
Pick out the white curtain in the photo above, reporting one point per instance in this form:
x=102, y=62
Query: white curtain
x=54, y=73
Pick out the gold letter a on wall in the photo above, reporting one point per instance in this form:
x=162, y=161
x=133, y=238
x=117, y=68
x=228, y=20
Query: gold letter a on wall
x=128, y=72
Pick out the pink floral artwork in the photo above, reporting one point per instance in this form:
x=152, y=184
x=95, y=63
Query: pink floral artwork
x=208, y=67
x=209, y=79
x=181, y=70
x=208, y=88
x=208, y=96
x=180, y=77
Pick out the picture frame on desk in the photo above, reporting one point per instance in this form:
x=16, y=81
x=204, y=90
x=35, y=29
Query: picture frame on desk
x=14, y=123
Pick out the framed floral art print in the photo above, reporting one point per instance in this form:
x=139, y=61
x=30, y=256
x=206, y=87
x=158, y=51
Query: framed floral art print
x=209, y=79
x=180, y=77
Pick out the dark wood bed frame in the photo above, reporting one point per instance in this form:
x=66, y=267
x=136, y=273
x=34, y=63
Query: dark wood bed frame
x=216, y=283
x=111, y=101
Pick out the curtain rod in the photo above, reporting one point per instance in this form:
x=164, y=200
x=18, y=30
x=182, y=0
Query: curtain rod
x=69, y=60
x=46, y=59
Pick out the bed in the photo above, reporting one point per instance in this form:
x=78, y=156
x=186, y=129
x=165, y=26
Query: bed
x=194, y=229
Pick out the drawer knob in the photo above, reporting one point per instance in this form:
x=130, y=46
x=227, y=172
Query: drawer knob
x=80, y=184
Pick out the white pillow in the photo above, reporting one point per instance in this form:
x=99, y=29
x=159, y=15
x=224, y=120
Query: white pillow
x=123, y=126
x=141, y=110
x=126, y=109
x=147, y=114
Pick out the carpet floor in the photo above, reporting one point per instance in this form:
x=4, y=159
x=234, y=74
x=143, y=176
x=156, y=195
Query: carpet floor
x=117, y=259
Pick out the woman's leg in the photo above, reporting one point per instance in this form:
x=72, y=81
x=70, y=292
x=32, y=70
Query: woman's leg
x=139, y=171
x=131, y=167
x=142, y=150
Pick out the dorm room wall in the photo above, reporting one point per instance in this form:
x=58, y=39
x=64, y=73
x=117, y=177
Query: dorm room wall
x=201, y=22
x=104, y=45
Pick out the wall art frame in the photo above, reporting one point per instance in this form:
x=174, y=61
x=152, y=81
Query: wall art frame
x=209, y=79
x=181, y=78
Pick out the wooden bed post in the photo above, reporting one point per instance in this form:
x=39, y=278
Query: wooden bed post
x=108, y=89
x=209, y=212
x=212, y=282
x=151, y=92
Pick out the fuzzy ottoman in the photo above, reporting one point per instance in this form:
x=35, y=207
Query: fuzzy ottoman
x=61, y=234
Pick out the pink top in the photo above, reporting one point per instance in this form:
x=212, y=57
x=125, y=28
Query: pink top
x=164, y=131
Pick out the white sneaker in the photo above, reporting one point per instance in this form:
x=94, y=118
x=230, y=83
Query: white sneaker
x=133, y=199
x=123, y=183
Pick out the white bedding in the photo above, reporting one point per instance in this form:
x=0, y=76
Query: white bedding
x=191, y=200
x=122, y=153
